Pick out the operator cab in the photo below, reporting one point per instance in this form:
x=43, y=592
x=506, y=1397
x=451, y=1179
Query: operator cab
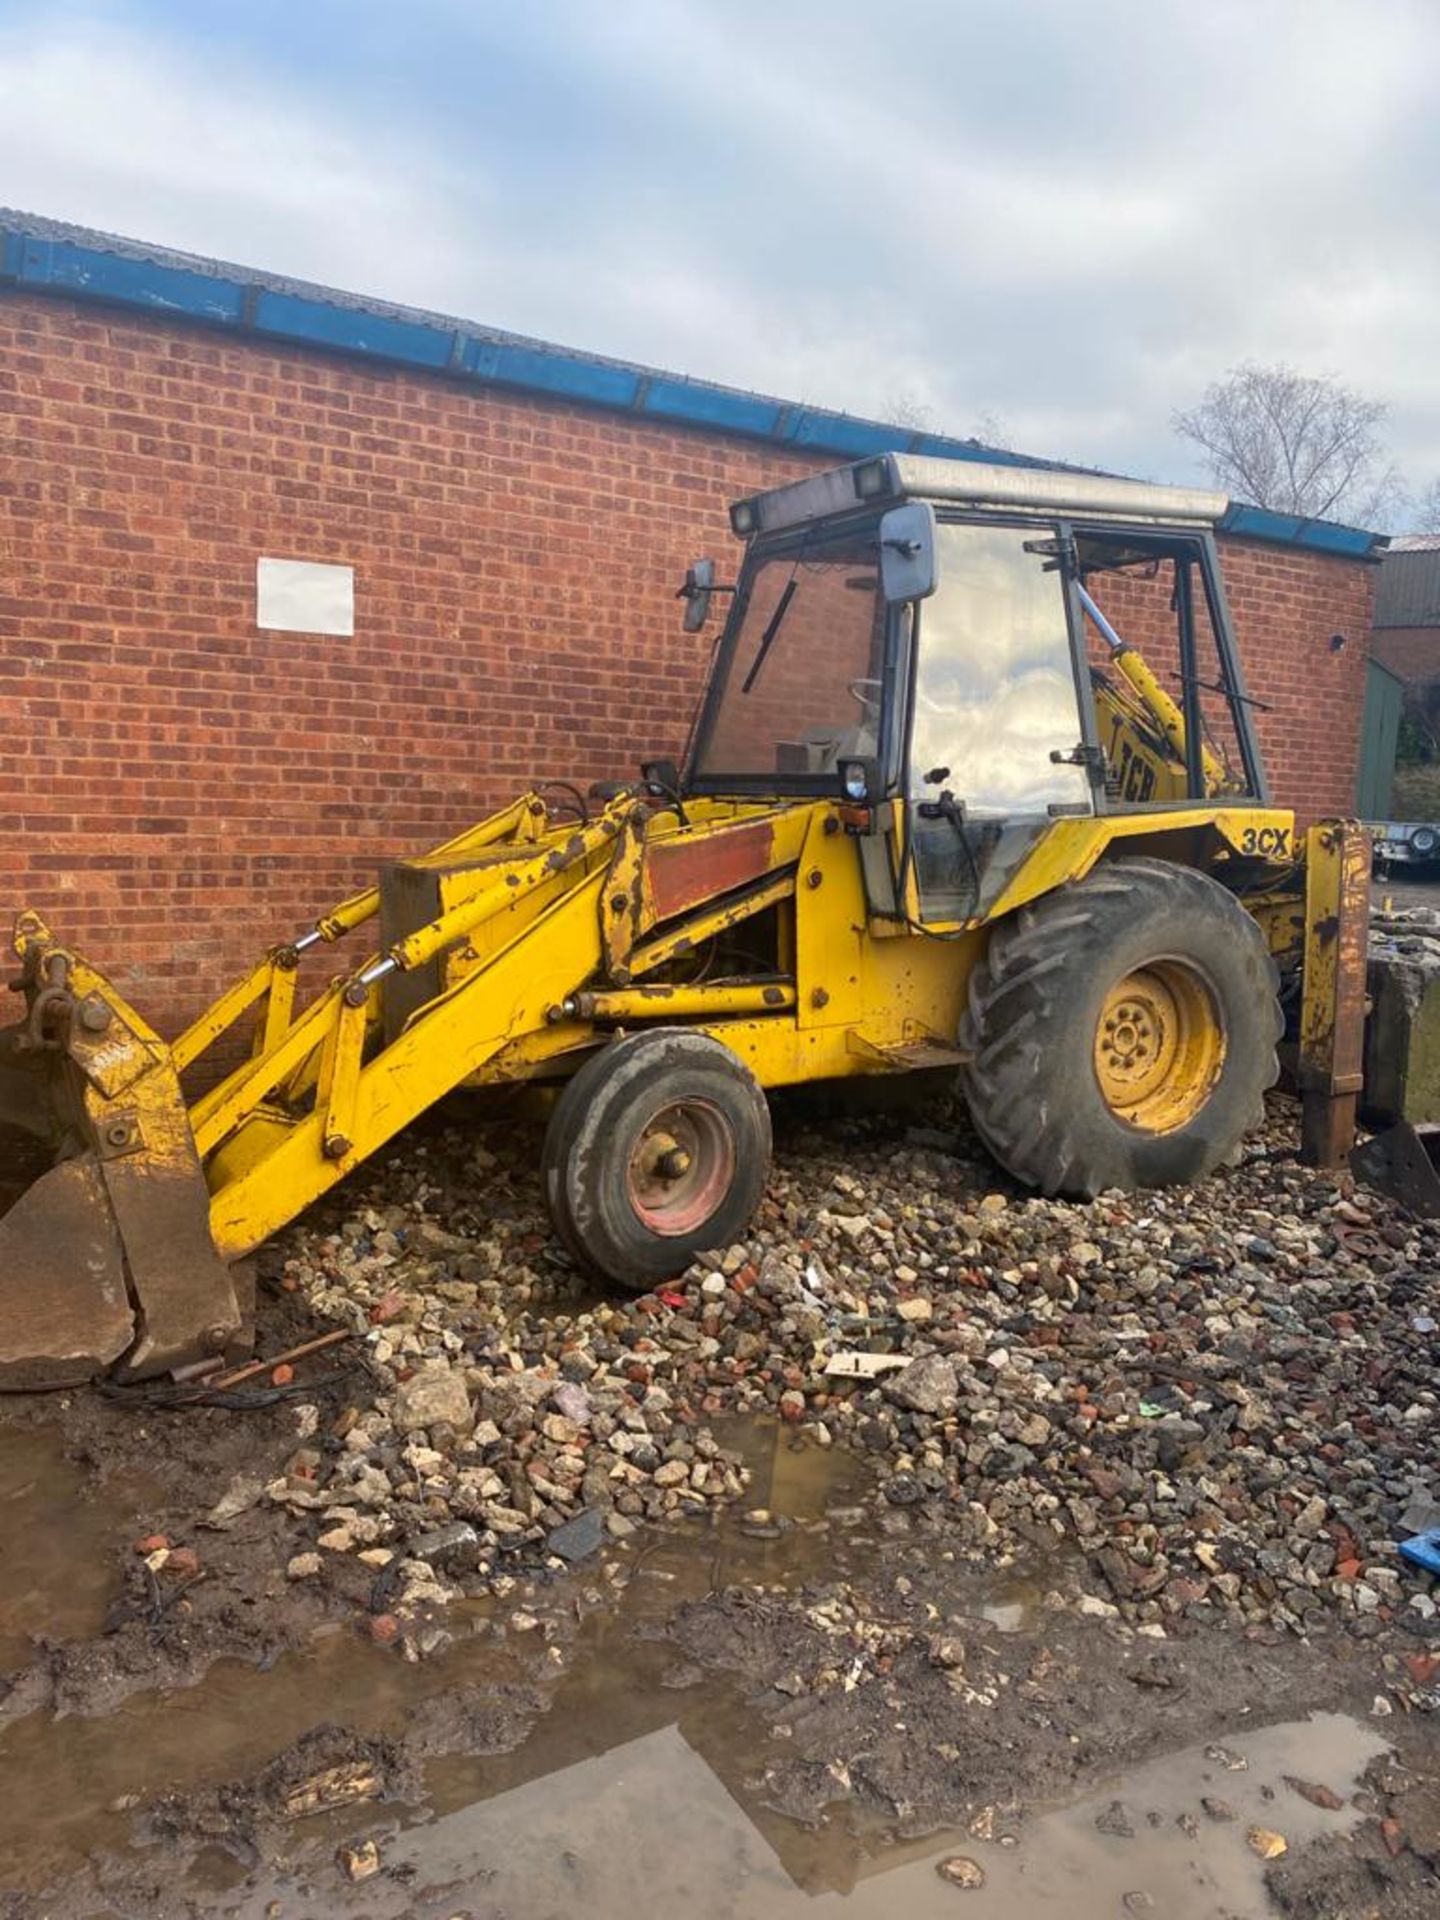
x=969, y=651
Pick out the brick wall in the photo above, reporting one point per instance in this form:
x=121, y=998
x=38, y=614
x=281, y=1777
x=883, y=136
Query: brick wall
x=181, y=789
x=1288, y=606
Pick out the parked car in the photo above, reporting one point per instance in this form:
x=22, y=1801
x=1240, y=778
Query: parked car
x=1405, y=843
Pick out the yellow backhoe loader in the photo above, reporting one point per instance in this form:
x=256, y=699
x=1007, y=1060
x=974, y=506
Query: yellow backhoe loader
x=939, y=807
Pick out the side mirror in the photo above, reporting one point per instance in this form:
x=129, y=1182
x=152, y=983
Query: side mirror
x=907, y=552
x=696, y=592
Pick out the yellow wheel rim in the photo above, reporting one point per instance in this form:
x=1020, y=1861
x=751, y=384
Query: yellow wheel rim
x=1159, y=1046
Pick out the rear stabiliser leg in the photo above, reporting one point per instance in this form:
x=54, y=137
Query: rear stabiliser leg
x=1332, y=1008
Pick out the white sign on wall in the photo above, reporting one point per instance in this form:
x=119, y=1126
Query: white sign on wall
x=304, y=596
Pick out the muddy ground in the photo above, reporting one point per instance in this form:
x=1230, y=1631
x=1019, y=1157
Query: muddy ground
x=823, y=1688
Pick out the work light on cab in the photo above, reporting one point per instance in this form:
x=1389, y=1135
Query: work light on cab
x=872, y=479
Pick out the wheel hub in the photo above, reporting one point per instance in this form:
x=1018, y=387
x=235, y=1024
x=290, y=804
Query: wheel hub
x=681, y=1167
x=1159, y=1046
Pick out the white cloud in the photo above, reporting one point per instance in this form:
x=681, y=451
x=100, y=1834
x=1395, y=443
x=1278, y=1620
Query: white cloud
x=115, y=130
x=1071, y=218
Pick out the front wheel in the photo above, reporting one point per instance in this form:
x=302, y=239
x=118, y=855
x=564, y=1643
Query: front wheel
x=658, y=1149
x=1122, y=1031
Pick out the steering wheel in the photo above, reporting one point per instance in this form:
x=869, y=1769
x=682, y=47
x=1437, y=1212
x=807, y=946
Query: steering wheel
x=869, y=701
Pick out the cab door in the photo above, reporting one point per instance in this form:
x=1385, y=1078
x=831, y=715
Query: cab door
x=994, y=752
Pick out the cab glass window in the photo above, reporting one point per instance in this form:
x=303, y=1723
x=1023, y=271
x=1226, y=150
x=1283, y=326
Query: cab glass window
x=798, y=686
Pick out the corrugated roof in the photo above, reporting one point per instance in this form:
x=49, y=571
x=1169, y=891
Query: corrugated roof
x=53, y=256
x=1408, y=591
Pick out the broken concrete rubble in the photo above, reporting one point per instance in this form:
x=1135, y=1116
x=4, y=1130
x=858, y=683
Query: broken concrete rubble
x=1213, y=1397
x=435, y=1396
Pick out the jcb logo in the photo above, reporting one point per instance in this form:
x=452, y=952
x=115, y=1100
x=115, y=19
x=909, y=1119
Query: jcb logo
x=1271, y=843
x=1137, y=779
x=1134, y=780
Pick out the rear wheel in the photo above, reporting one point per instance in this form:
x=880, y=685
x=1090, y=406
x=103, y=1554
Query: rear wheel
x=658, y=1148
x=1122, y=1031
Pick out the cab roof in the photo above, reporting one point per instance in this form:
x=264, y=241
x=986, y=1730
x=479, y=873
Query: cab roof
x=1027, y=490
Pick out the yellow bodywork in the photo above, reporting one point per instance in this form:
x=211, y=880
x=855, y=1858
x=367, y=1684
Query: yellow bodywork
x=1142, y=732
x=1336, y=943
x=792, y=931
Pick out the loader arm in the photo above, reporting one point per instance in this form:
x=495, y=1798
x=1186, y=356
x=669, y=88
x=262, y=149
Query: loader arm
x=122, y=1255
x=268, y=1156
x=110, y=1259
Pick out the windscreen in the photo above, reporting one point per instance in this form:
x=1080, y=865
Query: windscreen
x=798, y=683
x=996, y=720
x=995, y=691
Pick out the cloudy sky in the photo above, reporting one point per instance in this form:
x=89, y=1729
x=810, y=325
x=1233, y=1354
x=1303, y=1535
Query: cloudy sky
x=1063, y=219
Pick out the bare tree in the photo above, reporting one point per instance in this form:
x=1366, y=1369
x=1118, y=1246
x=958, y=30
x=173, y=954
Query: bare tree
x=905, y=409
x=991, y=431
x=1426, y=515
x=1297, y=442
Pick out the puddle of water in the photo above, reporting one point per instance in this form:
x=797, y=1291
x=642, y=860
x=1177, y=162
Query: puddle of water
x=1013, y=1606
x=653, y=1813
x=634, y=1777
x=59, y=1779
x=793, y=1477
x=1067, y=1867
x=57, y=1572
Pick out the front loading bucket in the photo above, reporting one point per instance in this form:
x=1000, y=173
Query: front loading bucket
x=65, y=1312
x=106, y=1260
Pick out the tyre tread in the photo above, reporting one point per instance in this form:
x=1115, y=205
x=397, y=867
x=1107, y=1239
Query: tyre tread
x=1012, y=1000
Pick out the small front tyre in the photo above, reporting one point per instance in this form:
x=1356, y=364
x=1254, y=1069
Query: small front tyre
x=658, y=1149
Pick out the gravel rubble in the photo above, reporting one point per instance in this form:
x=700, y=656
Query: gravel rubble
x=1207, y=1405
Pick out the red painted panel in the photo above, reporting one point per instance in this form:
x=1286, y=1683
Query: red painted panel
x=685, y=873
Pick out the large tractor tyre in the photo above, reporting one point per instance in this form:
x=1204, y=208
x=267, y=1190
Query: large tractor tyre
x=658, y=1148
x=1122, y=1031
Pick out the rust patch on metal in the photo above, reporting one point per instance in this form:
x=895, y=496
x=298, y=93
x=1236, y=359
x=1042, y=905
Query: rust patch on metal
x=184, y=1293
x=626, y=903
x=685, y=873
x=560, y=857
x=65, y=1315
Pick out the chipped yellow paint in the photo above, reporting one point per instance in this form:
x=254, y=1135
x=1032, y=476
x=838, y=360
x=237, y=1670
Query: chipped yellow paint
x=1332, y=1006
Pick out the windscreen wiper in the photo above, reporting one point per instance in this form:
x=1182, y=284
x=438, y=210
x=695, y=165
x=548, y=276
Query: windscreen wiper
x=782, y=607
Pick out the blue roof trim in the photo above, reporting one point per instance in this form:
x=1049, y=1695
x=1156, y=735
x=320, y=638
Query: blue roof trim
x=596, y=381
x=938, y=445
x=51, y=257
x=1288, y=529
x=702, y=406
x=137, y=283
x=289, y=317
x=838, y=433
